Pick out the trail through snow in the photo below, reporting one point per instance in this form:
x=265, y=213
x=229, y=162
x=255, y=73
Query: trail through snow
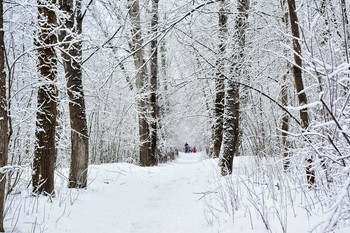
x=129, y=199
x=144, y=200
x=187, y=195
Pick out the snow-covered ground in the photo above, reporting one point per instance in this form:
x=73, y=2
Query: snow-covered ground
x=184, y=196
x=122, y=198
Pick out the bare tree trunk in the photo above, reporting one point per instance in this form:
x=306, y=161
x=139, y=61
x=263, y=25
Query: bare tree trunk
x=45, y=147
x=164, y=95
x=164, y=75
x=72, y=61
x=346, y=30
x=154, y=87
x=163, y=104
x=141, y=81
x=220, y=80
x=3, y=119
x=284, y=101
x=231, y=134
x=298, y=80
x=285, y=125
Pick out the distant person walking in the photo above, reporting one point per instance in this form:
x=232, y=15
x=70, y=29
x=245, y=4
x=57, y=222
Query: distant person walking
x=194, y=149
x=187, y=148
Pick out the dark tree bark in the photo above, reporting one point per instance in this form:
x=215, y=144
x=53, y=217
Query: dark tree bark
x=45, y=147
x=141, y=81
x=72, y=61
x=299, y=85
x=220, y=80
x=3, y=119
x=231, y=134
x=153, y=157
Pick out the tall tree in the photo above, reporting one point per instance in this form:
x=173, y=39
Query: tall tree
x=346, y=29
x=163, y=103
x=45, y=147
x=298, y=81
x=3, y=119
x=285, y=124
x=231, y=133
x=72, y=60
x=163, y=63
x=141, y=80
x=220, y=80
x=153, y=85
x=284, y=99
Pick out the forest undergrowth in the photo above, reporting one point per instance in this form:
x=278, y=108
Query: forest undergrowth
x=258, y=197
x=281, y=201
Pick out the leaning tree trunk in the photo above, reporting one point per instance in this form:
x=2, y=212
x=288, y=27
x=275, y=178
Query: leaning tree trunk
x=45, y=146
x=141, y=81
x=72, y=61
x=3, y=119
x=220, y=81
x=232, y=102
x=299, y=85
x=153, y=160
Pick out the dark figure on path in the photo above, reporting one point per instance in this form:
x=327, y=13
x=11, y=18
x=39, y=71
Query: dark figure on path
x=187, y=148
x=194, y=149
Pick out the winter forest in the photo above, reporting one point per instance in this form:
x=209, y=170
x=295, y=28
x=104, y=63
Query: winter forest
x=99, y=97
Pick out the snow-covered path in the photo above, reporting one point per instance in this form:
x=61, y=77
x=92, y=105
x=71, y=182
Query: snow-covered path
x=131, y=199
x=125, y=198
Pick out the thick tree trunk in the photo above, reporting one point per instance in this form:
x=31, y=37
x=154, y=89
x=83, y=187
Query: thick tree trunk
x=220, y=80
x=141, y=81
x=231, y=127
x=72, y=59
x=153, y=160
x=299, y=85
x=231, y=134
x=3, y=119
x=45, y=147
